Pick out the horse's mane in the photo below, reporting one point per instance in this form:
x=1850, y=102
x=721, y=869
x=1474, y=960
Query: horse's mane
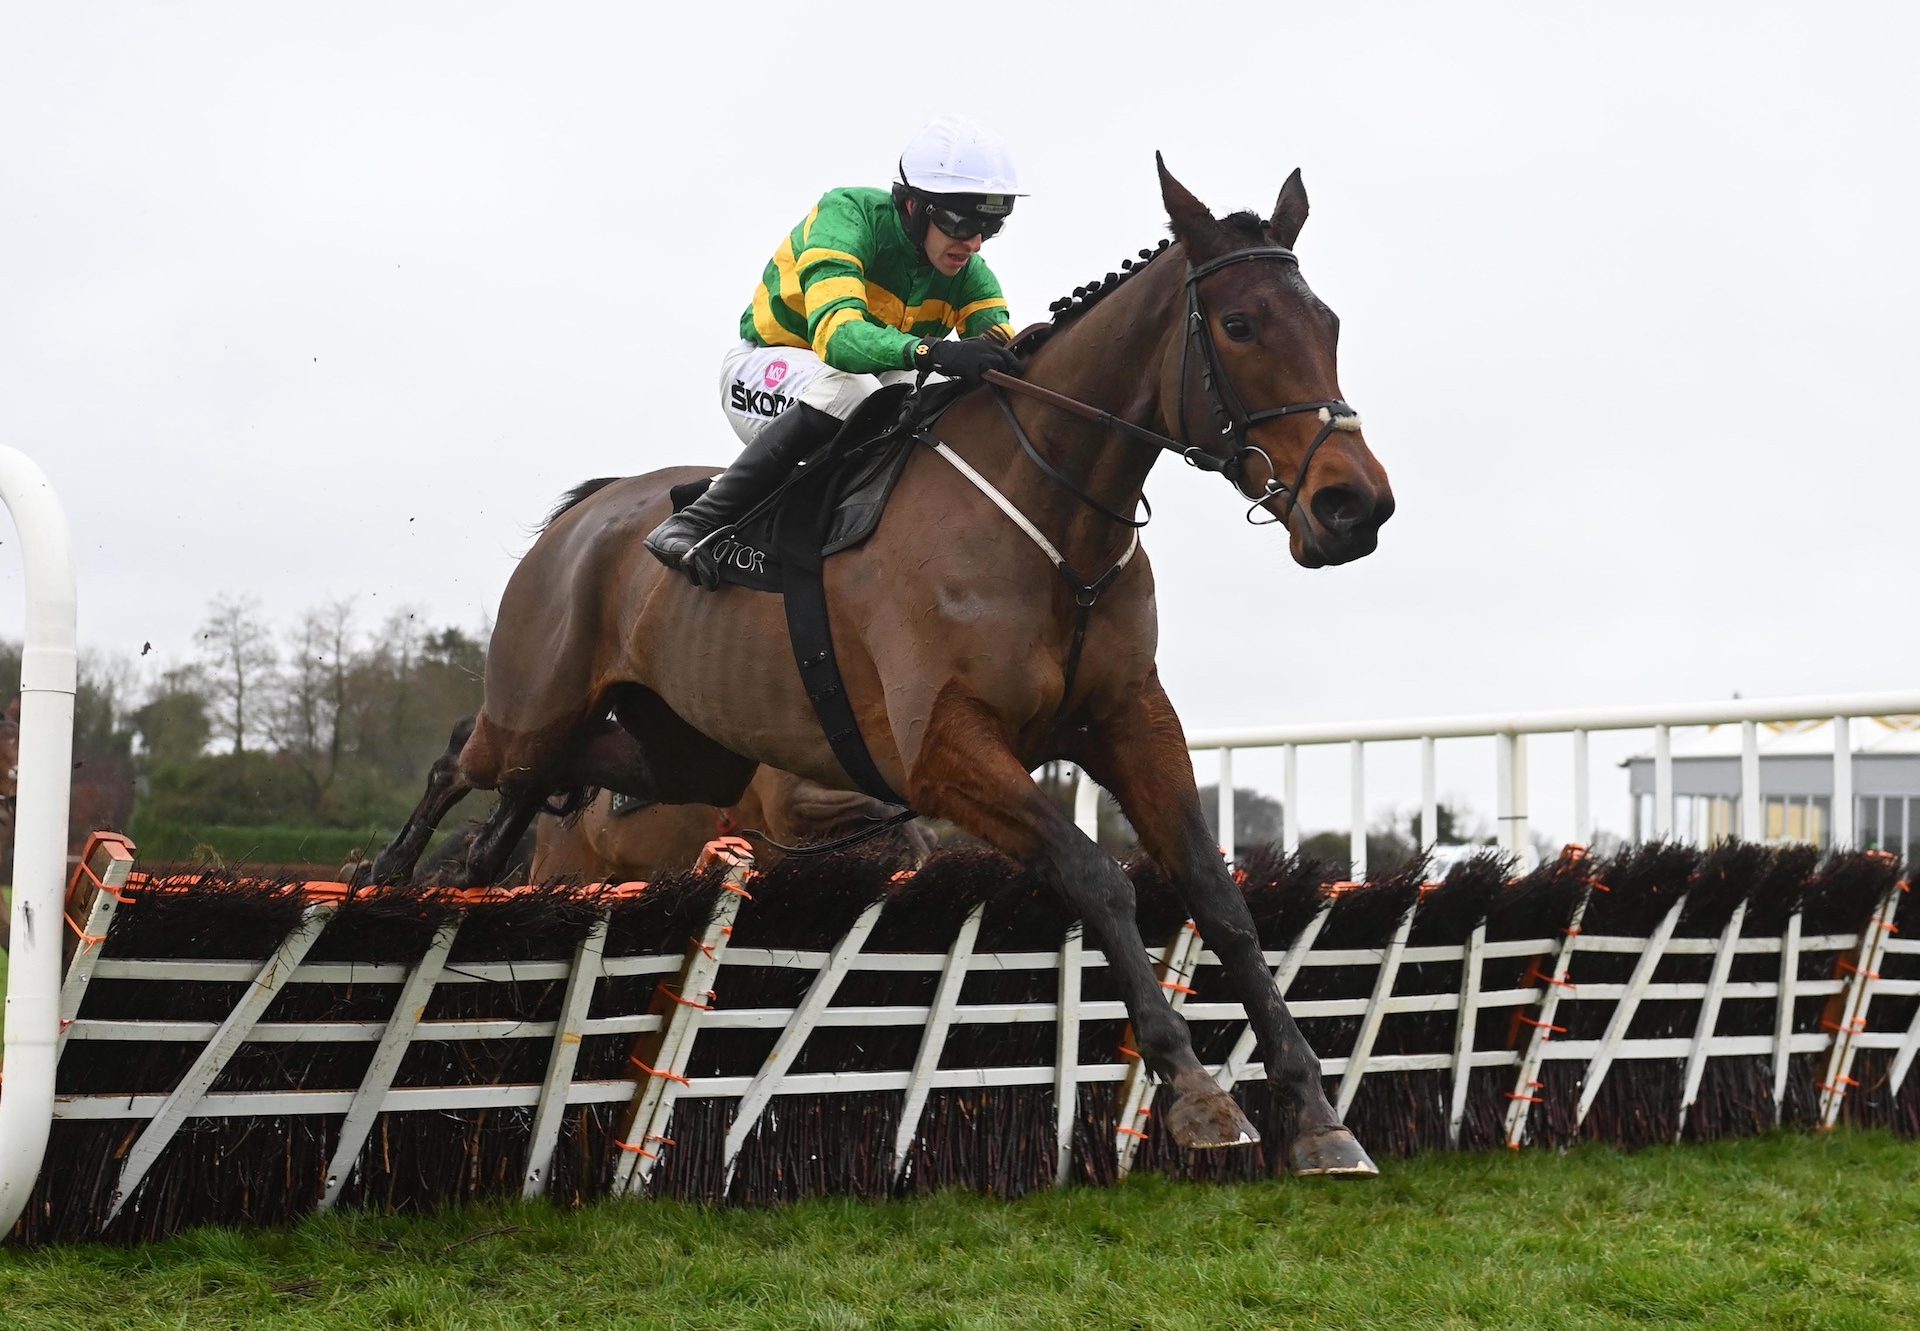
x=1245, y=228
x=584, y=490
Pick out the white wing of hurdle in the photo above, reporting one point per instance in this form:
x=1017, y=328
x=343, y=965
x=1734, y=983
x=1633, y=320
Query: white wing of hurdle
x=47, y=680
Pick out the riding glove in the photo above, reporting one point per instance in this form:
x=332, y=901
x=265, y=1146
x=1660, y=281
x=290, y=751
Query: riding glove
x=966, y=359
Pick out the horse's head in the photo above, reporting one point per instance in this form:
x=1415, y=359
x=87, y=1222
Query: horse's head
x=1253, y=385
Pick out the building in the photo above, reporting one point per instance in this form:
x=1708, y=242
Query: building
x=1796, y=784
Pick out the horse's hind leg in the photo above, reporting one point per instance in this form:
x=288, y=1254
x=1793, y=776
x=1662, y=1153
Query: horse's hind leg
x=966, y=771
x=447, y=785
x=1140, y=755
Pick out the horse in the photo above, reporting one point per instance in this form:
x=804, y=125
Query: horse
x=779, y=811
x=966, y=659
x=603, y=842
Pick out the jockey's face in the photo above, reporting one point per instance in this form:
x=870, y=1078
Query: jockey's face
x=947, y=254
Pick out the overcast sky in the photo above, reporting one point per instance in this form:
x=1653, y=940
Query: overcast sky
x=321, y=301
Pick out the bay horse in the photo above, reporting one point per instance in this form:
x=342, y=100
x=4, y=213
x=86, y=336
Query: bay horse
x=956, y=630
x=602, y=845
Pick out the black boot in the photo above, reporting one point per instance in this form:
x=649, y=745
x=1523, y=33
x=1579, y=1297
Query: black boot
x=761, y=466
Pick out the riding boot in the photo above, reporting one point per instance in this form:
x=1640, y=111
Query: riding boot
x=761, y=466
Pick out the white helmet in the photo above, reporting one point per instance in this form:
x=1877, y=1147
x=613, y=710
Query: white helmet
x=955, y=155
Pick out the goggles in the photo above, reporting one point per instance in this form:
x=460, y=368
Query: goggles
x=958, y=225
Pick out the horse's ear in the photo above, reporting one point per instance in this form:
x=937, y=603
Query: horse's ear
x=1289, y=212
x=1192, y=223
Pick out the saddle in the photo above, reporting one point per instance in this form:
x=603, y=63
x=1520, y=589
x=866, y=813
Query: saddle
x=832, y=502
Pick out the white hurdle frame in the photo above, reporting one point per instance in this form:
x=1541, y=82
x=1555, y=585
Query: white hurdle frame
x=652, y=1092
x=48, y=676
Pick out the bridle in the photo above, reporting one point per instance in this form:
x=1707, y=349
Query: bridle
x=1231, y=419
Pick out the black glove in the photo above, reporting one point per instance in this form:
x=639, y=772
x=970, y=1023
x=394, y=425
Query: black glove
x=966, y=359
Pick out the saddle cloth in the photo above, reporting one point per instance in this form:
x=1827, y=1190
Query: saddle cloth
x=836, y=496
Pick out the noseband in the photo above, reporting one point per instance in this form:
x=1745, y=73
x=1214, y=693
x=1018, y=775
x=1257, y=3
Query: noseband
x=1233, y=420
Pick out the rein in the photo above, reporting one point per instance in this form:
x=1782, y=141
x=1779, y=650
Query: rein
x=1232, y=419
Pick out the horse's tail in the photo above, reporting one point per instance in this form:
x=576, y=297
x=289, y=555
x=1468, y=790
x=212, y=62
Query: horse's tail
x=582, y=491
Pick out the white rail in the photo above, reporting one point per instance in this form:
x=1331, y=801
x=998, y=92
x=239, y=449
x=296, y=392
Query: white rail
x=47, y=680
x=1509, y=731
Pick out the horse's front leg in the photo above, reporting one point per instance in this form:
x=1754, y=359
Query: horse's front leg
x=1139, y=753
x=965, y=771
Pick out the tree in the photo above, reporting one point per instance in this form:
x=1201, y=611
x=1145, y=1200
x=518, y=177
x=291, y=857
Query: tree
x=1256, y=815
x=304, y=719
x=237, y=655
x=172, y=723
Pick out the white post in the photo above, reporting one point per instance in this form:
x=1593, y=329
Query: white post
x=1357, y=808
x=1662, y=782
x=1086, y=806
x=1842, y=784
x=1510, y=762
x=1582, y=793
x=1429, y=799
x=1290, y=798
x=1752, y=822
x=47, y=678
x=1227, y=848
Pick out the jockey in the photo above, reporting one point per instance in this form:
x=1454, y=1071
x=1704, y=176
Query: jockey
x=862, y=293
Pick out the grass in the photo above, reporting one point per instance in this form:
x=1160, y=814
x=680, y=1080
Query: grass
x=1784, y=1232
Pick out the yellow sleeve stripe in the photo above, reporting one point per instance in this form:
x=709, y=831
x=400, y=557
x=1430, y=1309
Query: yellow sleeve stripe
x=933, y=311
x=830, y=325
x=808, y=258
x=998, y=332
x=979, y=306
x=789, y=277
x=888, y=308
x=772, y=332
x=806, y=227
x=827, y=290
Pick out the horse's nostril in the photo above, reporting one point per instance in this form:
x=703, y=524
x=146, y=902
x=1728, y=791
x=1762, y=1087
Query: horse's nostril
x=1341, y=508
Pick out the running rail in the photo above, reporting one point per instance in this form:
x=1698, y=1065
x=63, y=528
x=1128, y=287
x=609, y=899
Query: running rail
x=47, y=677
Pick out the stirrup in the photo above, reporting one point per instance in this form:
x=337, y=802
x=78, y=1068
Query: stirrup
x=698, y=563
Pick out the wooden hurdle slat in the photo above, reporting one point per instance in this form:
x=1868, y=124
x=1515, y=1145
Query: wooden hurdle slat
x=1784, y=997
x=371, y=1095
x=1853, y=1013
x=179, y=1105
x=657, y=1086
x=1709, y=1016
x=1623, y=1009
x=767, y=1081
x=1466, y=1019
x=1521, y=1099
x=1066, y=1053
x=105, y=864
x=1234, y=1070
x=563, y=1057
x=1178, y=961
x=946, y=997
x=1383, y=982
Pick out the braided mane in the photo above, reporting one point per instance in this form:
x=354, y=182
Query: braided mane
x=1245, y=228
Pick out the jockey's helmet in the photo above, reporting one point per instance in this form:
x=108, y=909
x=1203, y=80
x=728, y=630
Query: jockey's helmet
x=963, y=177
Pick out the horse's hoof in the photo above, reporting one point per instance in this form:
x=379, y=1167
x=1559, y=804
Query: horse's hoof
x=1330, y=1152
x=1209, y=1120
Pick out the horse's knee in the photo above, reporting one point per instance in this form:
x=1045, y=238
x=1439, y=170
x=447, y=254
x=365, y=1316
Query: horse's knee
x=478, y=762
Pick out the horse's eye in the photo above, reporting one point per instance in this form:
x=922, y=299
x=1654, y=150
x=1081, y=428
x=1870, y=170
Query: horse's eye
x=1237, y=328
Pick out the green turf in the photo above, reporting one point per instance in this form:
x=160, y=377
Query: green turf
x=1787, y=1232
